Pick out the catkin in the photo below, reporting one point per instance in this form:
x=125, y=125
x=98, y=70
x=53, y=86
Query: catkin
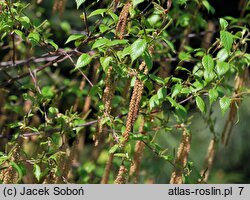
x=59, y=6
x=181, y=159
x=209, y=160
x=240, y=81
x=122, y=22
x=139, y=148
x=121, y=177
x=107, y=170
x=10, y=175
x=107, y=99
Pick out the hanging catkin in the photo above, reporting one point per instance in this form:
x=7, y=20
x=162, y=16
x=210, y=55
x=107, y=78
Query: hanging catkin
x=181, y=159
x=240, y=81
x=122, y=22
x=208, y=162
x=107, y=99
x=134, y=104
x=122, y=174
x=139, y=147
x=10, y=175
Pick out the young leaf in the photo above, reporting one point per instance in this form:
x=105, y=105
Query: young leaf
x=176, y=90
x=222, y=68
x=83, y=60
x=226, y=39
x=162, y=93
x=208, y=63
x=223, y=23
x=100, y=42
x=98, y=12
x=79, y=3
x=136, y=2
x=105, y=62
x=138, y=48
x=222, y=55
x=200, y=104
x=74, y=37
x=224, y=104
x=213, y=95
x=37, y=171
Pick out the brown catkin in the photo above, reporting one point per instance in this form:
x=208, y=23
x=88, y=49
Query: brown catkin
x=139, y=148
x=59, y=6
x=107, y=99
x=240, y=81
x=10, y=175
x=181, y=159
x=122, y=22
x=122, y=174
x=208, y=162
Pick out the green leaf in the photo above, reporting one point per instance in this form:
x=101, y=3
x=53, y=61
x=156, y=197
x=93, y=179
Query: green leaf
x=184, y=56
x=98, y=12
x=53, y=44
x=170, y=44
x=222, y=55
x=223, y=23
x=138, y=48
x=37, y=171
x=74, y=37
x=200, y=104
x=18, y=169
x=20, y=34
x=113, y=148
x=162, y=93
x=208, y=6
x=153, y=102
x=34, y=38
x=213, y=95
x=226, y=39
x=116, y=42
x=176, y=89
x=208, y=63
x=136, y=2
x=100, y=42
x=224, y=104
x=148, y=59
x=79, y=3
x=209, y=76
x=105, y=63
x=83, y=60
x=222, y=68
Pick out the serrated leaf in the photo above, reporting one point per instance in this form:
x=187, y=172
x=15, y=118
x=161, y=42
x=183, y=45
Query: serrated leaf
x=223, y=23
x=176, y=89
x=200, y=104
x=222, y=55
x=79, y=3
x=138, y=48
x=105, y=63
x=226, y=39
x=224, y=104
x=208, y=63
x=213, y=95
x=222, y=68
x=209, y=76
x=83, y=60
x=100, y=42
x=74, y=37
x=136, y=2
x=98, y=12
